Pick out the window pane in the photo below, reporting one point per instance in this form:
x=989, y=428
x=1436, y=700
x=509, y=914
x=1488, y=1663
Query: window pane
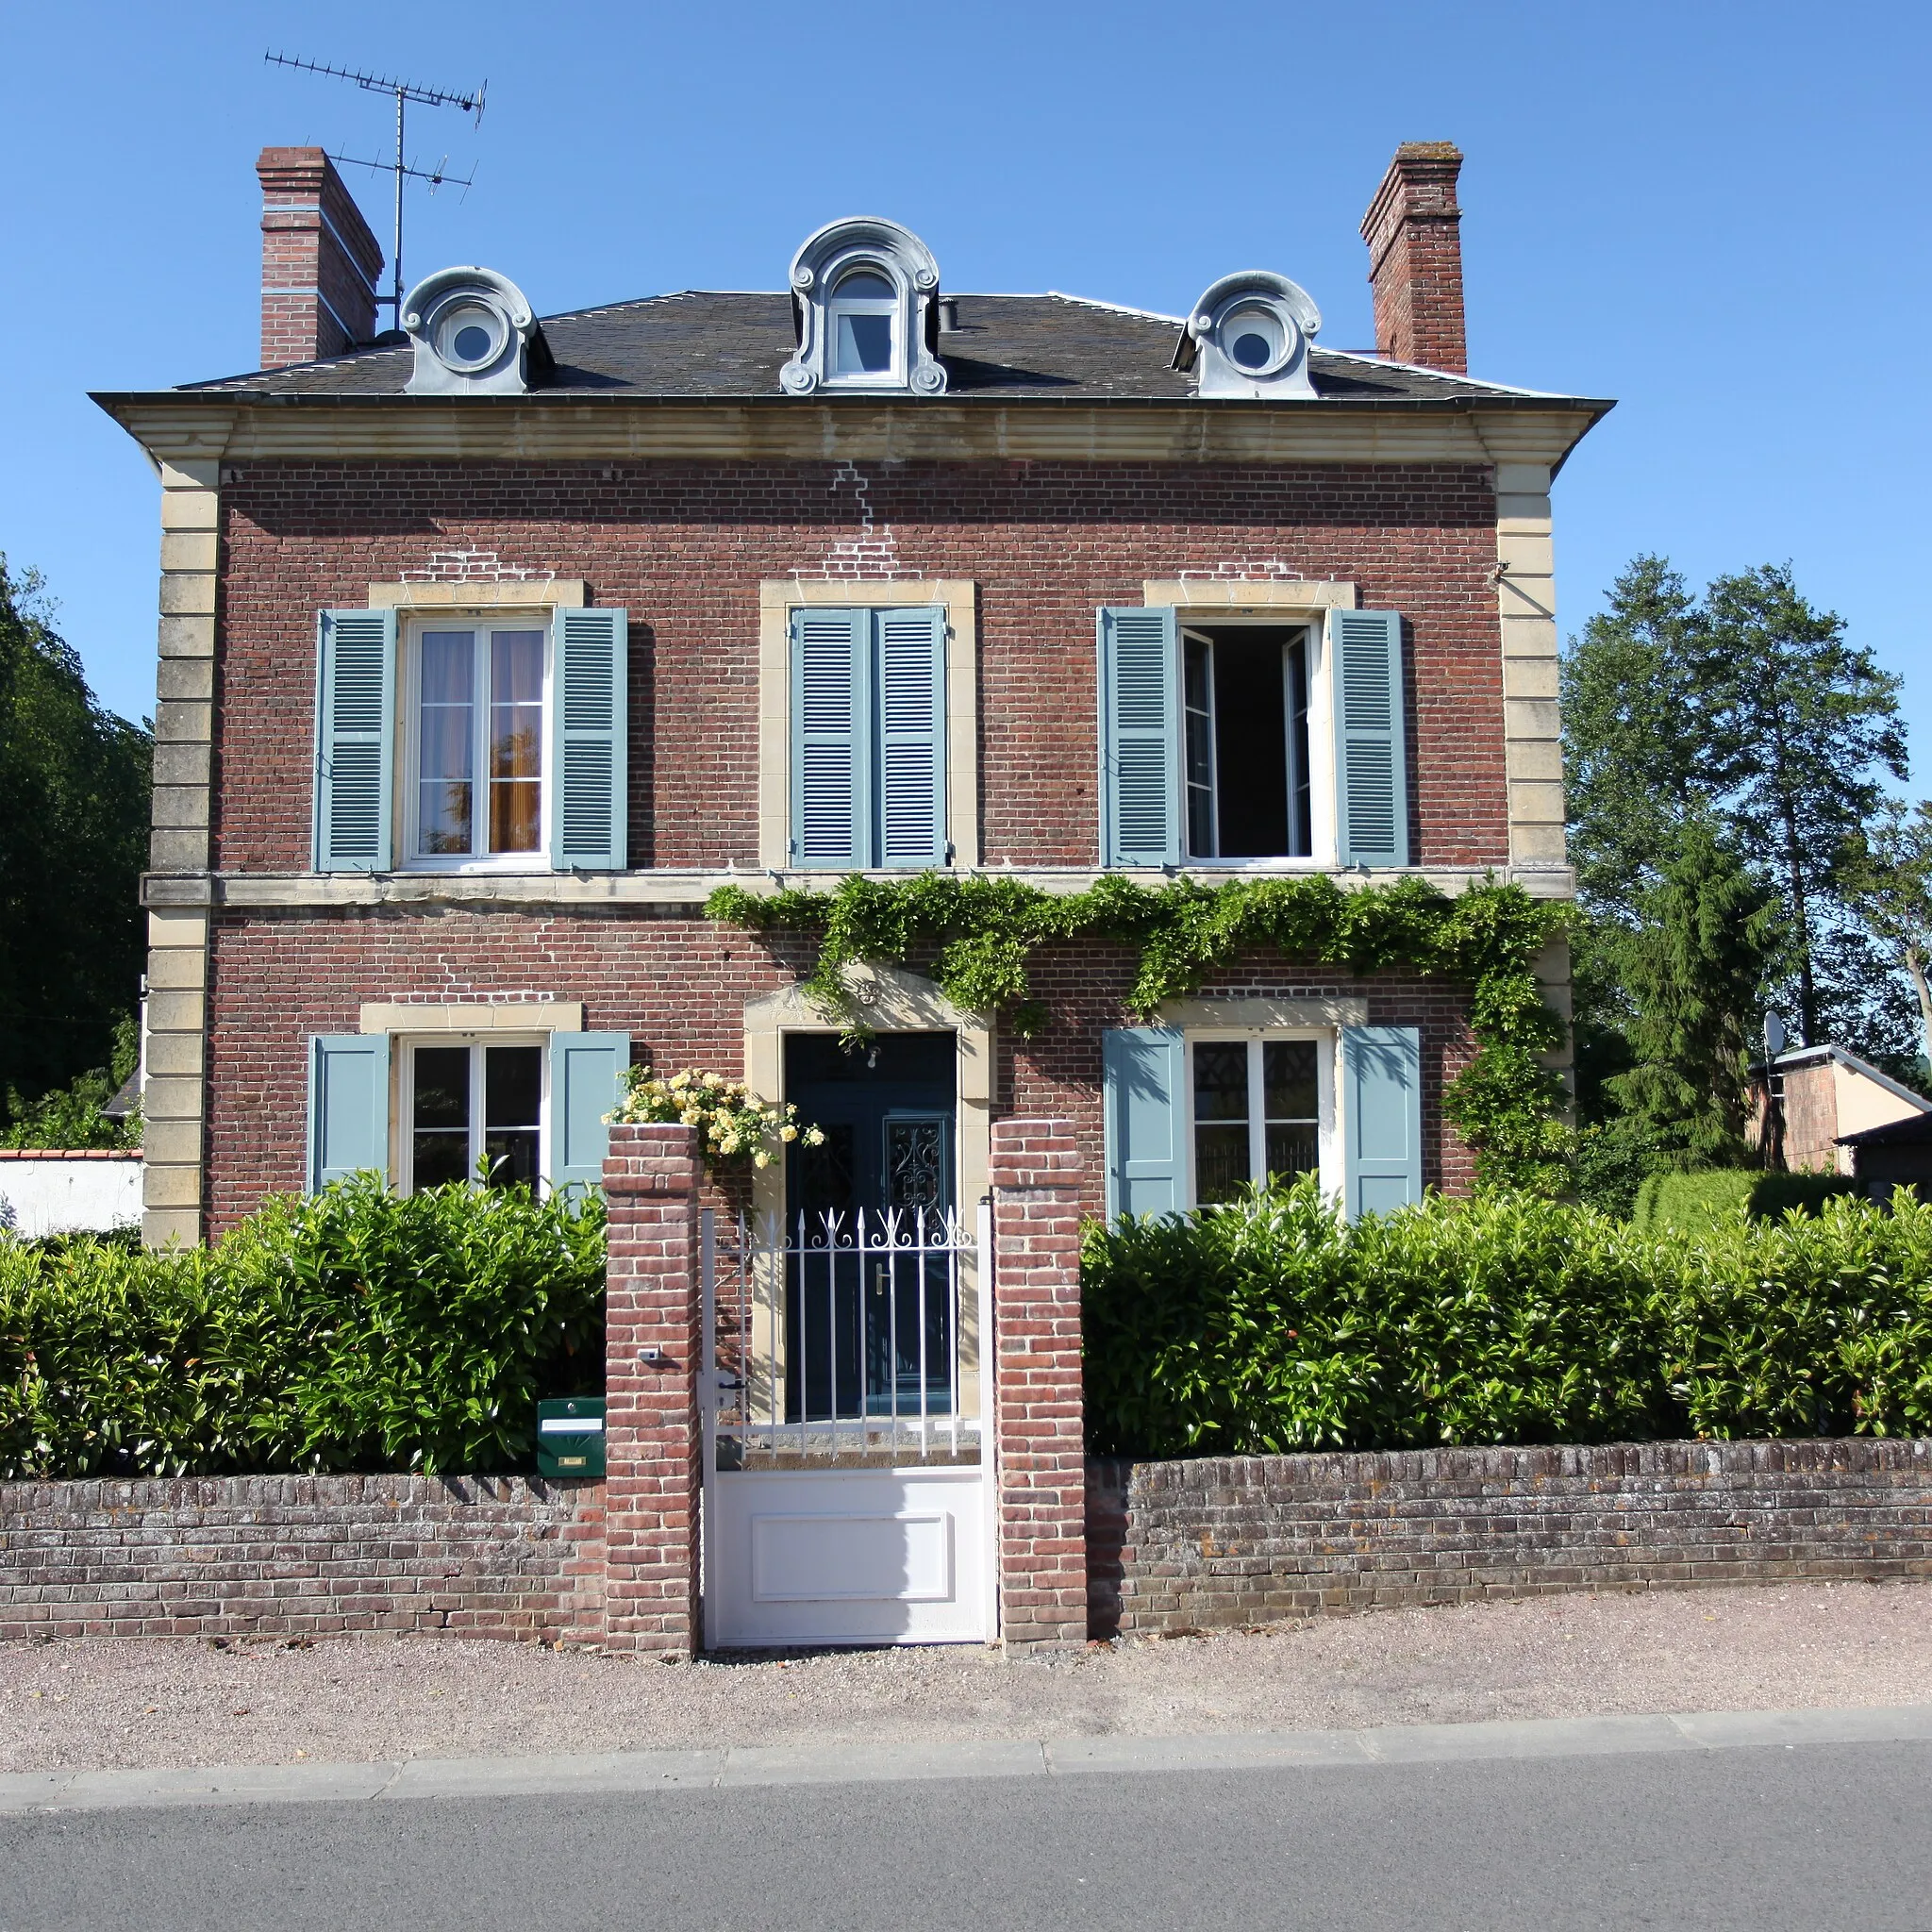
x=442, y=1086
x=867, y=285
x=1291, y=1150
x=1220, y=1081
x=516, y=667
x=865, y=345
x=441, y=1137
x=512, y=1157
x=1221, y=1161
x=1288, y=1076
x=516, y=740
x=445, y=744
x=440, y=1158
x=1200, y=747
x=515, y=815
x=512, y=1086
x=449, y=663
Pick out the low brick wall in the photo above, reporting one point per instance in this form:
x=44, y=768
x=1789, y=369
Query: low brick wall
x=302, y=1556
x=1199, y=1546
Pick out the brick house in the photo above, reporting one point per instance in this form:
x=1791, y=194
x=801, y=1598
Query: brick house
x=489, y=647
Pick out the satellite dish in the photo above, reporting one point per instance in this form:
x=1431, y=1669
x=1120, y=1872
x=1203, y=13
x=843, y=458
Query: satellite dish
x=1775, y=1038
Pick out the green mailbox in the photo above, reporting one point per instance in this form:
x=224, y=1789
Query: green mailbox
x=570, y=1436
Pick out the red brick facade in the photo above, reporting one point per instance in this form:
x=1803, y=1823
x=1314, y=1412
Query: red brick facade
x=678, y=985
x=684, y=547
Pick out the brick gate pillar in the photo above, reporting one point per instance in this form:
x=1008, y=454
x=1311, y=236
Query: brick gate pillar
x=652, y=1355
x=1038, y=1413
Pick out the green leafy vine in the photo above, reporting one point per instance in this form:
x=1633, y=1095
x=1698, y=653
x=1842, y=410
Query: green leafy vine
x=978, y=936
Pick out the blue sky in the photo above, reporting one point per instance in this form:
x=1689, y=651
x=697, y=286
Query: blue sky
x=1712, y=211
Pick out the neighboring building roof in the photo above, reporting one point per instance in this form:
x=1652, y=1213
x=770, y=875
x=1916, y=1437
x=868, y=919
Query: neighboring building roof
x=1811, y=1055
x=723, y=346
x=1915, y=1131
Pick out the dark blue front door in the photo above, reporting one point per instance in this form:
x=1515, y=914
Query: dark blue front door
x=868, y=1314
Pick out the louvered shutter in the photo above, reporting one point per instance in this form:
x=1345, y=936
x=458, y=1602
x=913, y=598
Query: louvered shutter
x=911, y=657
x=348, y=1105
x=355, y=740
x=1371, y=767
x=830, y=806
x=1139, y=748
x=1143, y=1074
x=585, y=1077
x=590, y=799
x=1382, y=1114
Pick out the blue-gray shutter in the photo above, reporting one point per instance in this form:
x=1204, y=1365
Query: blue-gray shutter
x=911, y=656
x=1371, y=765
x=1143, y=1079
x=348, y=1105
x=585, y=1077
x=355, y=740
x=590, y=797
x=1382, y=1117
x=1140, y=739
x=831, y=813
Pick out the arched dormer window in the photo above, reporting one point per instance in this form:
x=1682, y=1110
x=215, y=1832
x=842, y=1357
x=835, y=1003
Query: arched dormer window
x=865, y=295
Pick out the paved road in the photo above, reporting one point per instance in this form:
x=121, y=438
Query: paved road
x=1818, y=1834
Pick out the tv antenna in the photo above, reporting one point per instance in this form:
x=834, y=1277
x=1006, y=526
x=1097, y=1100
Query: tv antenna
x=403, y=91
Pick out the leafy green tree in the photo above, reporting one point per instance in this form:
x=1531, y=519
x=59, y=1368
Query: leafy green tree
x=1801, y=723
x=76, y=1115
x=1636, y=733
x=1695, y=969
x=73, y=810
x=1888, y=876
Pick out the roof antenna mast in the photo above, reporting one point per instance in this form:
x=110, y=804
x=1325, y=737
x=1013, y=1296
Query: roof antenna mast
x=404, y=92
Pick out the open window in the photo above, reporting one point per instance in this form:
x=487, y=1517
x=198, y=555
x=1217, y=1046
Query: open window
x=1245, y=700
x=1241, y=742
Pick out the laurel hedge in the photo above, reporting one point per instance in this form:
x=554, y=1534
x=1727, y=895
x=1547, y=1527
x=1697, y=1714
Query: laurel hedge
x=353, y=1329
x=1274, y=1326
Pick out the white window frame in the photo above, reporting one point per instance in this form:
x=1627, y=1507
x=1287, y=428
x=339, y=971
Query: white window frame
x=1328, y=1166
x=403, y=1051
x=408, y=760
x=893, y=307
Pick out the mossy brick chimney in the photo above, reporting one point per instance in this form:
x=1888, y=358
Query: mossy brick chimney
x=318, y=261
x=1415, y=258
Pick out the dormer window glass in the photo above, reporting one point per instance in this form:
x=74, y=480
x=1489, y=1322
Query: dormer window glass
x=864, y=306
x=864, y=294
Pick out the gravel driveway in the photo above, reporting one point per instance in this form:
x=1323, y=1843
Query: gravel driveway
x=188, y=1702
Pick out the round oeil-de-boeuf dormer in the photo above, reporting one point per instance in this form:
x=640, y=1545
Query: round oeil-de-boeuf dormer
x=865, y=303
x=1250, y=334
x=472, y=331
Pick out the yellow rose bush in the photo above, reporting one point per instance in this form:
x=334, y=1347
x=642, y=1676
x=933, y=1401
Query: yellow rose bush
x=732, y=1123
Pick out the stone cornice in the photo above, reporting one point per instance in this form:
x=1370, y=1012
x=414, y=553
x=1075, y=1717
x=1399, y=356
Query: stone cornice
x=588, y=892
x=174, y=426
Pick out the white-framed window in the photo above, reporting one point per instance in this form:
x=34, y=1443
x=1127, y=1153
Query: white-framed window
x=1259, y=1106
x=862, y=320
x=1244, y=691
x=476, y=706
x=473, y=1109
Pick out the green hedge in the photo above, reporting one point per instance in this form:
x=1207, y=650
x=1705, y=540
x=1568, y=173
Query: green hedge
x=1695, y=1202
x=352, y=1330
x=1274, y=1326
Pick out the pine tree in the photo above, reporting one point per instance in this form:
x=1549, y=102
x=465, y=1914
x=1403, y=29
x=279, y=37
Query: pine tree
x=1695, y=969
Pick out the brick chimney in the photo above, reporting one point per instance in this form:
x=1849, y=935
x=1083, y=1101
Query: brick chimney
x=318, y=261
x=1415, y=258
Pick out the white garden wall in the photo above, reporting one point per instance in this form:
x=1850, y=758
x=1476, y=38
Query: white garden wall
x=49, y=1191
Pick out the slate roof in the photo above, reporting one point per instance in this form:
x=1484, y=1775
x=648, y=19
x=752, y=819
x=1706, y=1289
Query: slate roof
x=700, y=344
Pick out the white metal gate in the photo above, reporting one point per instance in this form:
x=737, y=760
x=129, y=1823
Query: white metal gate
x=848, y=1441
